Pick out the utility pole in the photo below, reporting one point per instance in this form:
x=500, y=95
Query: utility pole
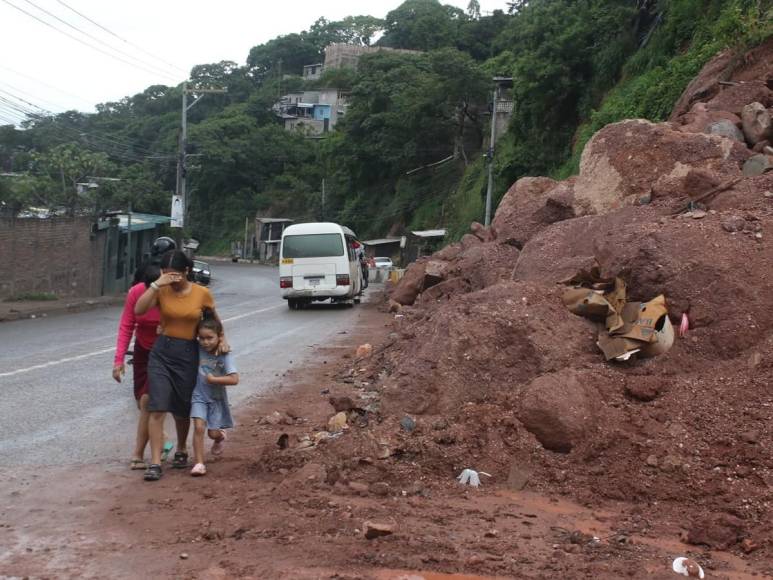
x=182, y=169
x=323, y=199
x=129, y=253
x=499, y=83
x=246, y=230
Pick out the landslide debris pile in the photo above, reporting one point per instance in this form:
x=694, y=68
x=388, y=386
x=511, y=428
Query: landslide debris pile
x=684, y=209
x=487, y=369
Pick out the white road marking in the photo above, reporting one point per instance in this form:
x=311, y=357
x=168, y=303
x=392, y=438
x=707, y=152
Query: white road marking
x=106, y=350
x=57, y=362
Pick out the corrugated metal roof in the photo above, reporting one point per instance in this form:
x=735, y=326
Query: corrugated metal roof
x=430, y=233
x=381, y=241
x=141, y=221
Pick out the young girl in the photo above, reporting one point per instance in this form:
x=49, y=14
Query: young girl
x=209, y=405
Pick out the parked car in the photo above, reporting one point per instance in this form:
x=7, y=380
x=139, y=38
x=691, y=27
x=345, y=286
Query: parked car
x=384, y=263
x=201, y=272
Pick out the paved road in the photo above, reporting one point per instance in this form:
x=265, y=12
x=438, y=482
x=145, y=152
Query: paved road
x=61, y=406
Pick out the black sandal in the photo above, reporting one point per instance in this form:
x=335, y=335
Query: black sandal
x=153, y=473
x=180, y=460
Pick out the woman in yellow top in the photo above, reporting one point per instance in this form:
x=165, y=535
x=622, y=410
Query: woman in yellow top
x=174, y=360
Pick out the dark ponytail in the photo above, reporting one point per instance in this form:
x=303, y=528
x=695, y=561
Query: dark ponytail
x=209, y=321
x=176, y=260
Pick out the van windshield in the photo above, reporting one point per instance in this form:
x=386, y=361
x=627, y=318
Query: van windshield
x=313, y=246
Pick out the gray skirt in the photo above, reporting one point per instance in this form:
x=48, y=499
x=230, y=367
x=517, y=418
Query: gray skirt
x=172, y=370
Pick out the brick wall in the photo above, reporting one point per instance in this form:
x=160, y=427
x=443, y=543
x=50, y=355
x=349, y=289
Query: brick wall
x=56, y=255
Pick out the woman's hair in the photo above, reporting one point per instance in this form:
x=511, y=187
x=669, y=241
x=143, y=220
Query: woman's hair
x=175, y=260
x=146, y=273
x=209, y=321
x=150, y=274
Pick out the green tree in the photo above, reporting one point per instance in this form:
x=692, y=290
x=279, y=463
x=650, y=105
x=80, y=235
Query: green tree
x=70, y=165
x=422, y=25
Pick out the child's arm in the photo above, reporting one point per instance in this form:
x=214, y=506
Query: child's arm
x=224, y=381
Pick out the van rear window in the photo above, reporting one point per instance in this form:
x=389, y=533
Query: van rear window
x=313, y=246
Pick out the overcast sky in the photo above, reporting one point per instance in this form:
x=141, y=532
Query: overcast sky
x=56, y=72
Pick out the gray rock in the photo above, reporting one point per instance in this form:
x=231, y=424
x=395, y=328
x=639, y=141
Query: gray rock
x=734, y=223
x=408, y=423
x=727, y=129
x=757, y=165
x=757, y=123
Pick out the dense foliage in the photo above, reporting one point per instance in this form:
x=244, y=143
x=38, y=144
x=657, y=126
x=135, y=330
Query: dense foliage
x=409, y=151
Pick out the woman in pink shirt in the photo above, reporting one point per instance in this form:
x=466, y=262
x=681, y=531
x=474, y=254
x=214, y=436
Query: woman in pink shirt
x=145, y=330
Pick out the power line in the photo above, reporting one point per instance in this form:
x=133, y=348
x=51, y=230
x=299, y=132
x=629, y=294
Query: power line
x=91, y=36
x=23, y=92
x=113, y=148
x=46, y=113
x=81, y=41
x=45, y=84
x=97, y=24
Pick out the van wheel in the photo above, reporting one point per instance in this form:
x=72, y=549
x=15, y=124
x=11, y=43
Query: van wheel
x=292, y=304
x=356, y=300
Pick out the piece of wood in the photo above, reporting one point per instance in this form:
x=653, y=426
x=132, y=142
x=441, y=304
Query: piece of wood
x=712, y=192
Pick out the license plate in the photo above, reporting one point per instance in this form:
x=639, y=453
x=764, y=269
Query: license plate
x=287, y=260
x=315, y=281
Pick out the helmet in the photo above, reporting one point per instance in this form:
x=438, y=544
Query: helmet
x=162, y=245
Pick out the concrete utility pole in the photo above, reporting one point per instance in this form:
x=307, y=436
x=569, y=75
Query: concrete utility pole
x=182, y=170
x=323, y=199
x=499, y=82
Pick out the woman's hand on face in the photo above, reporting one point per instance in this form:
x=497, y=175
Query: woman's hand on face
x=170, y=278
x=118, y=371
x=223, y=347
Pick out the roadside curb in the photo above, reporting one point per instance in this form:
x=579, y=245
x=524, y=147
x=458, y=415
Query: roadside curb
x=20, y=311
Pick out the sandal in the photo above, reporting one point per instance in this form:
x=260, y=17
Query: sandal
x=198, y=470
x=138, y=464
x=180, y=460
x=168, y=446
x=217, y=446
x=153, y=473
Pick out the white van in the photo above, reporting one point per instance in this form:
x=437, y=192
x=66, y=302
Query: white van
x=317, y=262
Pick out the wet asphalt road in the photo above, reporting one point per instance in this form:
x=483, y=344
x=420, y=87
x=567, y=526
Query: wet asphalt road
x=60, y=406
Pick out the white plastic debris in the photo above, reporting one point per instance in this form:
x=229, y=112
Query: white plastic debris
x=688, y=567
x=471, y=477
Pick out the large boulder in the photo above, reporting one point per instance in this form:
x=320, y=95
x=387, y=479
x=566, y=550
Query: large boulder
x=513, y=220
x=699, y=119
x=484, y=265
x=621, y=162
x=558, y=409
x=410, y=285
x=558, y=252
x=757, y=123
x=734, y=98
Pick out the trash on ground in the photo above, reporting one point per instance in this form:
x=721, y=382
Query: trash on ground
x=337, y=422
x=684, y=325
x=688, y=567
x=629, y=328
x=471, y=477
x=364, y=350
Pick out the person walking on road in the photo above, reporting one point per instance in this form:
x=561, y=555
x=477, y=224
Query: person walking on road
x=209, y=409
x=144, y=328
x=174, y=360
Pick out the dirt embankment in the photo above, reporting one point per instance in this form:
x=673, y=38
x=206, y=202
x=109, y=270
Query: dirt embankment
x=497, y=374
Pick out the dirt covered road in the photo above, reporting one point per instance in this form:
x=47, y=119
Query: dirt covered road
x=299, y=506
